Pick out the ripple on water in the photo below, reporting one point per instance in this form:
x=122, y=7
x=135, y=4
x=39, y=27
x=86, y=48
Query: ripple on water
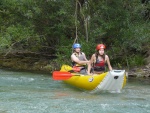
x=22, y=92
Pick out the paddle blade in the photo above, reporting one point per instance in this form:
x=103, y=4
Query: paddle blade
x=60, y=75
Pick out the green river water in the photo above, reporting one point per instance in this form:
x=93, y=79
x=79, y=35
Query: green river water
x=24, y=92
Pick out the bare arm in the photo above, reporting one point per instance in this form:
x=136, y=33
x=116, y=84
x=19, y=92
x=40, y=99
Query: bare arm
x=90, y=64
x=75, y=59
x=84, y=57
x=108, y=62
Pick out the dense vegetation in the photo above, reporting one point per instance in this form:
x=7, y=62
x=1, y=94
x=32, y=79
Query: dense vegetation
x=52, y=26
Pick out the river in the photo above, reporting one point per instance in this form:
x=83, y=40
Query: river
x=25, y=92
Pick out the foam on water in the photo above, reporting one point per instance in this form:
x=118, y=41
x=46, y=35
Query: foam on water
x=23, y=92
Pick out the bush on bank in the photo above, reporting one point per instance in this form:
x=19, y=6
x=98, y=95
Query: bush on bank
x=51, y=27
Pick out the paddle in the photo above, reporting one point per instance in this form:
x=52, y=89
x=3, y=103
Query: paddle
x=61, y=75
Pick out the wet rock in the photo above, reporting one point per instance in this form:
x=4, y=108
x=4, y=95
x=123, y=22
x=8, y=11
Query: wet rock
x=140, y=71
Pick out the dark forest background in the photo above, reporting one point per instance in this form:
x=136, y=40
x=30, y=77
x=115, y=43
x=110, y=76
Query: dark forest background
x=50, y=27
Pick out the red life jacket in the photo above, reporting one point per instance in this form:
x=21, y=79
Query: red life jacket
x=99, y=65
x=76, y=69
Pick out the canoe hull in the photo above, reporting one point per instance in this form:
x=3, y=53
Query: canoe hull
x=113, y=80
x=86, y=82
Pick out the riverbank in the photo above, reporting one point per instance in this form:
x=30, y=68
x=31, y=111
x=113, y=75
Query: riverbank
x=42, y=65
x=45, y=65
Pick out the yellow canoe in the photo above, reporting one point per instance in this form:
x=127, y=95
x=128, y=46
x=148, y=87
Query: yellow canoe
x=113, y=80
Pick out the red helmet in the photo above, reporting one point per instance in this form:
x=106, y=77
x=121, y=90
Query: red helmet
x=100, y=46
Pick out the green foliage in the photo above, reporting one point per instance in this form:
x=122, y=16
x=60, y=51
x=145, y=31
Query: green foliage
x=19, y=37
x=136, y=60
x=123, y=26
x=54, y=20
x=64, y=50
x=14, y=34
x=88, y=47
